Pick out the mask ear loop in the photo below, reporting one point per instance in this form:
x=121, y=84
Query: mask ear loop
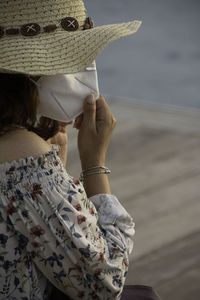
x=33, y=81
x=37, y=85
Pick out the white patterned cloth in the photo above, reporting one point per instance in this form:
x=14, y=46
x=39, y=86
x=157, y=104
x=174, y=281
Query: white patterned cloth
x=53, y=235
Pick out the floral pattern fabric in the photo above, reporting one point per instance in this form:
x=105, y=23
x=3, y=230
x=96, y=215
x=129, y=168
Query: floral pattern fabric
x=51, y=234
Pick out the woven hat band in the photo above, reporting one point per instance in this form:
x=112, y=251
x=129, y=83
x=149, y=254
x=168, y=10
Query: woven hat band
x=69, y=24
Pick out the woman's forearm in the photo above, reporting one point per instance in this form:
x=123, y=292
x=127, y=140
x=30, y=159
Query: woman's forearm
x=96, y=184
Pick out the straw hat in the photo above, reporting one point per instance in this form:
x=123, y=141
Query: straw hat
x=48, y=37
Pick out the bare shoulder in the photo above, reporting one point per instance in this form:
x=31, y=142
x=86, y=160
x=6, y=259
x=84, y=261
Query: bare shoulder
x=21, y=145
x=34, y=143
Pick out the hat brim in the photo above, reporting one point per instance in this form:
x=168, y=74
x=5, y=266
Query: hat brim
x=59, y=52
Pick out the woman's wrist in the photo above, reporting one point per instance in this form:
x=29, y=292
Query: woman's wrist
x=95, y=170
x=87, y=165
x=94, y=176
x=92, y=162
x=96, y=184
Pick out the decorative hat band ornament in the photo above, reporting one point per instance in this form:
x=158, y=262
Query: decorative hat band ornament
x=31, y=29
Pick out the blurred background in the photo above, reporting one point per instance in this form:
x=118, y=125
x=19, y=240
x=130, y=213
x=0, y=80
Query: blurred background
x=161, y=62
x=151, y=82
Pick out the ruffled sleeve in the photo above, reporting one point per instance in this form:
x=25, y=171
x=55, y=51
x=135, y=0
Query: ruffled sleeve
x=80, y=245
x=114, y=219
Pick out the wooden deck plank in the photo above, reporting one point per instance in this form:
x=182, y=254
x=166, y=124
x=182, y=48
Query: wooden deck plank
x=183, y=287
x=154, y=162
x=164, y=229
x=173, y=270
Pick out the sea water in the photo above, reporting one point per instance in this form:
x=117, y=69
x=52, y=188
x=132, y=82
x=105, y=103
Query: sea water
x=161, y=62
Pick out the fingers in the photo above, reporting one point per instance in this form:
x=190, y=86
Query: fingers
x=78, y=122
x=102, y=106
x=102, y=102
x=89, y=112
x=104, y=112
x=63, y=125
x=48, y=141
x=114, y=122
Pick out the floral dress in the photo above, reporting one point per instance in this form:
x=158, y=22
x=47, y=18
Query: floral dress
x=52, y=235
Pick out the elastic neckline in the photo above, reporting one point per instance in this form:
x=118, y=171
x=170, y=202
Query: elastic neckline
x=5, y=166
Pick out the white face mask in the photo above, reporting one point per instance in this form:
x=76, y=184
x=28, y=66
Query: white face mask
x=62, y=96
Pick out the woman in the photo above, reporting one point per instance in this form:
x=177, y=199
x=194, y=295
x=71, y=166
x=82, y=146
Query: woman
x=55, y=232
x=52, y=234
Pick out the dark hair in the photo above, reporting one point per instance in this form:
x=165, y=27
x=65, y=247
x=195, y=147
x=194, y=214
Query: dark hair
x=18, y=106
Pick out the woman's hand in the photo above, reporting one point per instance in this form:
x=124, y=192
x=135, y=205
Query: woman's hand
x=95, y=125
x=61, y=139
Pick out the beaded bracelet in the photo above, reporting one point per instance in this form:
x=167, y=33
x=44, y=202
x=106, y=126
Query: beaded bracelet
x=92, y=171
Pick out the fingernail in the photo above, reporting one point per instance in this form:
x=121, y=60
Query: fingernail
x=90, y=99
